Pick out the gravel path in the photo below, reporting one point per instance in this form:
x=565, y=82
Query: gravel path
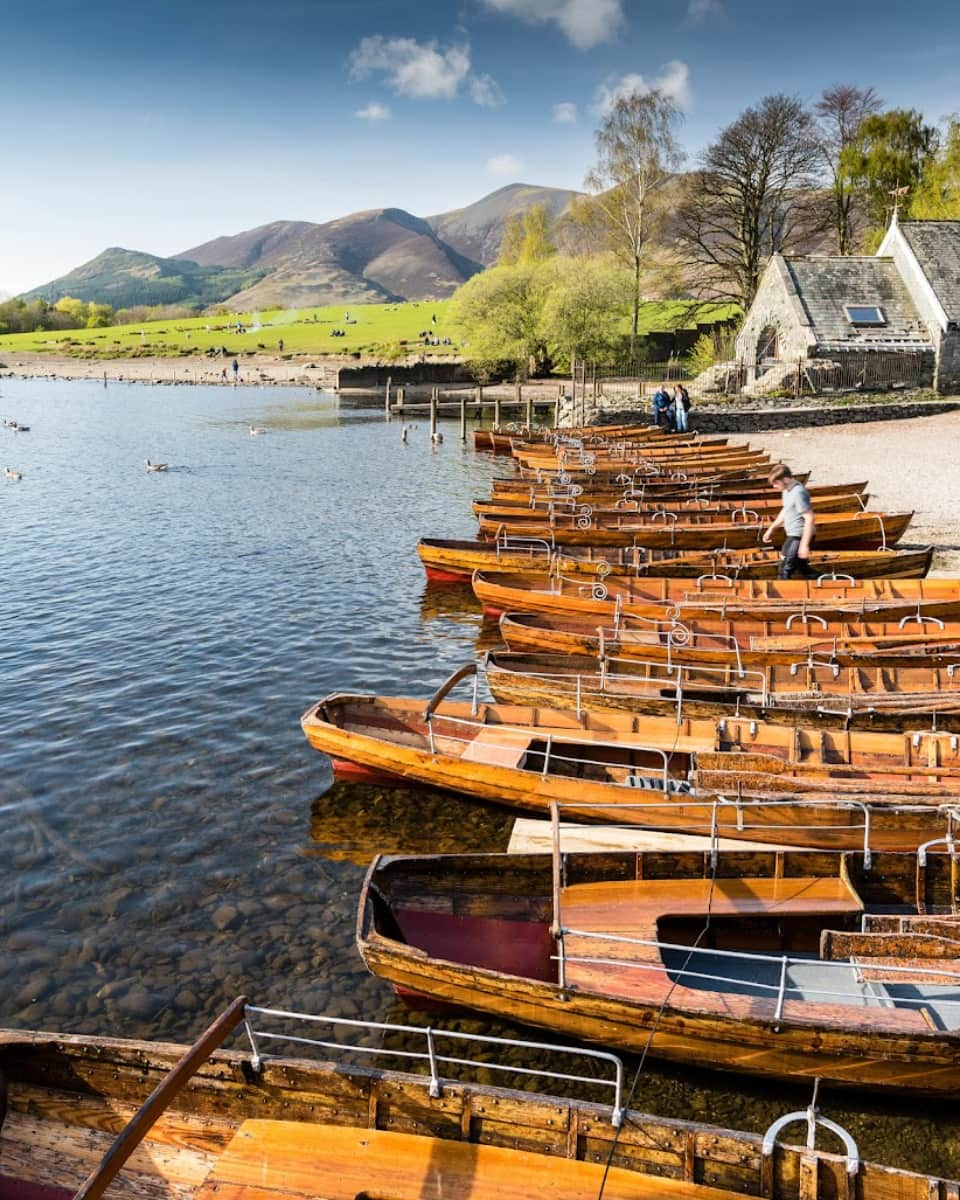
x=911, y=465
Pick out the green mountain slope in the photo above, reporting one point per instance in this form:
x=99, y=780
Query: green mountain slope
x=126, y=277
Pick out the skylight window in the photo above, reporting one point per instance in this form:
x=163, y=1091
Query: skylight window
x=865, y=314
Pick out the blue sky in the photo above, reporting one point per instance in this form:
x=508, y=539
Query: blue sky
x=159, y=126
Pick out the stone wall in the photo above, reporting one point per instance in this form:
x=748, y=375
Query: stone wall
x=757, y=420
x=403, y=375
x=776, y=305
x=948, y=363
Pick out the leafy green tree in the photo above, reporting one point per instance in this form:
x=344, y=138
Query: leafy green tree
x=891, y=151
x=637, y=152
x=498, y=315
x=511, y=242
x=937, y=195
x=98, y=315
x=527, y=238
x=585, y=312
x=73, y=308
x=537, y=245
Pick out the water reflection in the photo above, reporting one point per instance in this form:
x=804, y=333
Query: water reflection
x=168, y=839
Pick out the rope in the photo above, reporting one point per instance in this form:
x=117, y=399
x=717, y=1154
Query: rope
x=714, y=863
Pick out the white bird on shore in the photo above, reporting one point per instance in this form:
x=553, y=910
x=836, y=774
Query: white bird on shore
x=10, y=473
x=152, y=466
x=255, y=432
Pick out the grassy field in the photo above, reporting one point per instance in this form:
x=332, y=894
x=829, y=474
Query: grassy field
x=372, y=330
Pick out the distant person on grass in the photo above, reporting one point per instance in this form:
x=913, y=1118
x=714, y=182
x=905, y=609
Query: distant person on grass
x=799, y=524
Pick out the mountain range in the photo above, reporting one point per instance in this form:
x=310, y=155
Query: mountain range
x=378, y=256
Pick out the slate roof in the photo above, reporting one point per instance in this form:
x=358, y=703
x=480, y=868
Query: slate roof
x=936, y=246
x=826, y=285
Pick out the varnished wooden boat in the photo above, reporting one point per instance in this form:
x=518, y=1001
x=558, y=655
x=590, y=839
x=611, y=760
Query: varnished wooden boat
x=502, y=441
x=523, y=491
x=755, y=605
x=855, y=531
x=639, y=769
x=601, y=513
x=787, y=965
x=868, y=698
x=216, y=1124
x=454, y=561
x=724, y=643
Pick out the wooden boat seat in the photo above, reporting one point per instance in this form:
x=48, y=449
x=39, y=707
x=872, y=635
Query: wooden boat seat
x=285, y=1160
x=634, y=909
x=498, y=748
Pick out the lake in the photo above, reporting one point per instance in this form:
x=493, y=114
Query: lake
x=170, y=839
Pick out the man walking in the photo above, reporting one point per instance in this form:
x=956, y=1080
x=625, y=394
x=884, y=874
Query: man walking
x=799, y=524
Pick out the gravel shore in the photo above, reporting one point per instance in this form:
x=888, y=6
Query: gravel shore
x=911, y=465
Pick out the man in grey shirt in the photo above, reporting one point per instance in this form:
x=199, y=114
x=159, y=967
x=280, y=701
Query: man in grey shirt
x=799, y=524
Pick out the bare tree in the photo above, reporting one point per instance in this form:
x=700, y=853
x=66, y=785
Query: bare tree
x=752, y=196
x=637, y=153
x=840, y=112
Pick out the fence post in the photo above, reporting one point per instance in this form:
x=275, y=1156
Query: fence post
x=479, y=399
x=496, y=410
x=556, y=407
x=529, y=409
x=401, y=392
x=386, y=401
x=463, y=416
x=434, y=400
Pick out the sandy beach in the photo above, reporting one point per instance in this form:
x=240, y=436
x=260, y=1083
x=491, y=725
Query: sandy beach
x=261, y=369
x=911, y=465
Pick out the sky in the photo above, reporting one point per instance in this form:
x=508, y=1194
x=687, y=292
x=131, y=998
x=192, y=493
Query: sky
x=160, y=126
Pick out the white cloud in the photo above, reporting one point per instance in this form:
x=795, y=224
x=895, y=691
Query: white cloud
x=699, y=11
x=565, y=113
x=673, y=80
x=485, y=91
x=505, y=165
x=374, y=111
x=424, y=70
x=584, y=23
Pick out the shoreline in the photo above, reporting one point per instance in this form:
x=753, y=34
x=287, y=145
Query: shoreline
x=264, y=370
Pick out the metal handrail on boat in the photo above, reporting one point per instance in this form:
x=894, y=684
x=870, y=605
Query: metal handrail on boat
x=607, y=678
x=430, y=1054
x=721, y=804
x=785, y=961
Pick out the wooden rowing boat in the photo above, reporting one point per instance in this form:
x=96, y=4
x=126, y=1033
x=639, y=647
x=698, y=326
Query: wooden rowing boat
x=529, y=757
x=756, y=605
x=786, y=965
x=454, y=561
x=523, y=491
x=831, y=502
x=873, y=697
x=173, y=1122
x=723, y=643
x=853, y=531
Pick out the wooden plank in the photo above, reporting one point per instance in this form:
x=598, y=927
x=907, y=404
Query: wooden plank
x=285, y=1159
x=531, y=836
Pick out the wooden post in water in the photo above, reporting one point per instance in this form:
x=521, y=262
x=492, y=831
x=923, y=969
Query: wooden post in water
x=496, y=410
x=518, y=396
x=463, y=416
x=479, y=402
x=386, y=401
x=434, y=400
x=529, y=409
x=557, y=406
x=400, y=395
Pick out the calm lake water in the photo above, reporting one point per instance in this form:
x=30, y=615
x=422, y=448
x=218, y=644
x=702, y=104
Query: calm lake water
x=169, y=838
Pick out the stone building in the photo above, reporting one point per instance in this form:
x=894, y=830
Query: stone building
x=821, y=313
